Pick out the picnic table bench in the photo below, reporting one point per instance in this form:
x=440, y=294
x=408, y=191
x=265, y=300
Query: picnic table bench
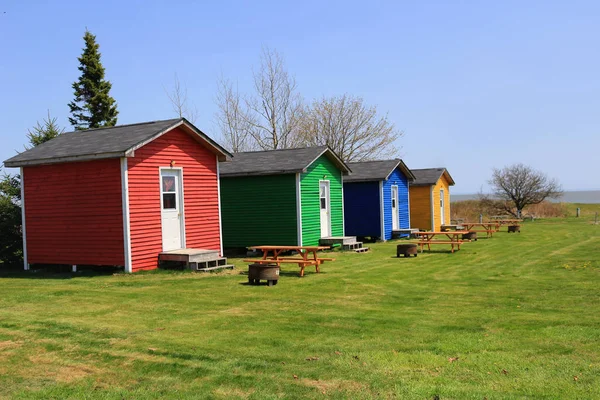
x=453, y=239
x=307, y=256
x=488, y=227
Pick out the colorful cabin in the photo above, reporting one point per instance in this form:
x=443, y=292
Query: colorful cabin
x=376, y=201
x=120, y=196
x=430, y=198
x=282, y=197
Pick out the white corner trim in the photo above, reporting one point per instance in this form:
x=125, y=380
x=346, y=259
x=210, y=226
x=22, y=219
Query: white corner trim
x=382, y=211
x=432, y=207
x=219, y=204
x=343, y=214
x=298, y=209
x=408, y=201
x=126, y=218
x=23, y=227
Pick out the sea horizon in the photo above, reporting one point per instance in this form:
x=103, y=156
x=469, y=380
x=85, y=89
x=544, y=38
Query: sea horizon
x=570, y=196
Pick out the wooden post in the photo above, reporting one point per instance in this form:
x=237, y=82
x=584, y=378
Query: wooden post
x=596, y=220
x=578, y=211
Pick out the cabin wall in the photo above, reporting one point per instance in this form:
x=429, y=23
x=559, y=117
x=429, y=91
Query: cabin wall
x=362, y=209
x=259, y=210
x=309, y=193
x=399, y=179
x=201, y=200
x=73, y=213
x=420, y=207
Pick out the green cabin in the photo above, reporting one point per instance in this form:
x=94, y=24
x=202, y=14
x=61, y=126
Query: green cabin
x=282, y=197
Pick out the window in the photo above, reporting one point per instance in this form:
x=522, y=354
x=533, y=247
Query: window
x=169, y=196
x=323, y=197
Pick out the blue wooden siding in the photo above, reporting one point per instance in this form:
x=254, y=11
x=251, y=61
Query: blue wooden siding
x=399, y=179
x=362, y=209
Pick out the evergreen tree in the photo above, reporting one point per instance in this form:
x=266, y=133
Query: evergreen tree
x=43, y=132
x=93, y=107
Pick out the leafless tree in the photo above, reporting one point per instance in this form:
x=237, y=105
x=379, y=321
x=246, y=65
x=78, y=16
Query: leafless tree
x=178, y=96
x=351, y=128
x=233, y=118
x=268, y=117
x=517, y=186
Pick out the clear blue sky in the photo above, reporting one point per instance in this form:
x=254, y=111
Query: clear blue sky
x=473, y=84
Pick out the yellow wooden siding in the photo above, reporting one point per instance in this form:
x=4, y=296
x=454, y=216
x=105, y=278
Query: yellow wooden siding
x=442, y=183
x=420, y=207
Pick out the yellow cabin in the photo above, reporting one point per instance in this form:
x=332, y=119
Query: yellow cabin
x=430, y=198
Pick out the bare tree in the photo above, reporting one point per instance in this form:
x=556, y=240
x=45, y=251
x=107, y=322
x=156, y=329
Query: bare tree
x=352, y=129
x=232, y=118
x=517, y=186
x=268, y=118
x=178, y=96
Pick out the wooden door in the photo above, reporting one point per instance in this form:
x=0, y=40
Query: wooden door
x=324, y=203
x=395, y=212
x=171, y=209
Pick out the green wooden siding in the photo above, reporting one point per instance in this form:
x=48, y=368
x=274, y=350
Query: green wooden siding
x=259, y=210
x=311, y=216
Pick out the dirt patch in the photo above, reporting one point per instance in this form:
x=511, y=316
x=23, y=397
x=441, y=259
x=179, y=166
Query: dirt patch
x=10, y=344
x=335, y=385
x=235, y=311
x=229, y=392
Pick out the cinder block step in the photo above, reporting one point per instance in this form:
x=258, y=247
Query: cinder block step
x=361, y=250
x=218, y=267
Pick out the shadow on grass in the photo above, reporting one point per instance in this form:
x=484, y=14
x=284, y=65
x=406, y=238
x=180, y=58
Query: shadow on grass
x=57, y=272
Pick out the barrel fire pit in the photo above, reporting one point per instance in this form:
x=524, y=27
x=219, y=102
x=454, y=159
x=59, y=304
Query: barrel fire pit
x=514, y=228
x=407, y=249
x=264, y=272
x=469, y=236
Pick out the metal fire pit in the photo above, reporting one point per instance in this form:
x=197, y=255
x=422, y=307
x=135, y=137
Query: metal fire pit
x=406, y=249
x=258, y=272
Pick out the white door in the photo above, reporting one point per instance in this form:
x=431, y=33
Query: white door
x=442, y=222
x=324, y=204
x=171, y=209
x=395, y=213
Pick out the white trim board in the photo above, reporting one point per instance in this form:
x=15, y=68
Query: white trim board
x=299, y=209
x=219, y=204
x=23, y=225
x=382, y=211
x=126, y=216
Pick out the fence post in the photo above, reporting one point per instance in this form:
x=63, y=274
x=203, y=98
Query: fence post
x=596, y=220
x=578, y=211
x=480, y=218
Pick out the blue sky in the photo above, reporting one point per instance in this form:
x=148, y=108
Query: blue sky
x=473, y=84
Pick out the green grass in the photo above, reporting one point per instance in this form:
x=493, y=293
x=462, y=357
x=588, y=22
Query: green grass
x=520, y=311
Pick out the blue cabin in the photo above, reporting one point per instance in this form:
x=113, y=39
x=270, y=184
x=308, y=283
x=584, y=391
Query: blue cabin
x=376, y=199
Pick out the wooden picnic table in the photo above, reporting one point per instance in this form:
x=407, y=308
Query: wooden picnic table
x=427, y=238
x=308, y=256
x=488, y=227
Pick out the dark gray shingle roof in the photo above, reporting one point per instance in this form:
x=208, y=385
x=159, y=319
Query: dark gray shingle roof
x=366, y=171
x=110, y=142
x=430, y=176
x=276, y=162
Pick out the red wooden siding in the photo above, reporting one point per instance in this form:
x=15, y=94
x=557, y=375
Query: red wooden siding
x=74, y=214
x=201, y=200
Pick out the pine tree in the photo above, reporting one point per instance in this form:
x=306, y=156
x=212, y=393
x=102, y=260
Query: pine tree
x=43, y=132
x=92, y=107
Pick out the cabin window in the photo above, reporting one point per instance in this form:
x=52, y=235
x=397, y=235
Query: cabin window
x=169, y=196
x=323, y=198
x=393, y=198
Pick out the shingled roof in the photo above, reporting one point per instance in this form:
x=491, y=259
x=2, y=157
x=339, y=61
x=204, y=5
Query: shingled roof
x=430, y=176
x=366, y=171
x=111, y=142
x=277, y=162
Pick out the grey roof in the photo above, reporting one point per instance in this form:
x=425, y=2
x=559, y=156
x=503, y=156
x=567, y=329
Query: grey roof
x=366, y=171
x=111, y=142
x=276, y=162
x=430, y=176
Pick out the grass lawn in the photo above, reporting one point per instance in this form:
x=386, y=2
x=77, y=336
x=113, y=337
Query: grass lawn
x=516, y=316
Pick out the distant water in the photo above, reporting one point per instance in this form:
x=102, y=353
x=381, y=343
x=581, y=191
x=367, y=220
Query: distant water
x=579, y=196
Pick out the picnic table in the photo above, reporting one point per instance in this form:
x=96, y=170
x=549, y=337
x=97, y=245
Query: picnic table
x=502, y=222
x=307, y=255
x=488, y=227
x=453, y=239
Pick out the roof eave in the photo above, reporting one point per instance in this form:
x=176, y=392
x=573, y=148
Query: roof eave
x=405, y=170
x=258, y=173
x=342, y=166
x=58, y=160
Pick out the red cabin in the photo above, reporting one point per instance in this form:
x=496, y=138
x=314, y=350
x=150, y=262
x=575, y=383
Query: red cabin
x=121, y=195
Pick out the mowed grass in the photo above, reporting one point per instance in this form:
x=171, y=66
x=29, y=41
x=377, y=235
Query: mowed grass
x=516, y=316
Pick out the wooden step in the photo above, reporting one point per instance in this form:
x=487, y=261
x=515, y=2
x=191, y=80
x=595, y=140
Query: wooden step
x=331, y=240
